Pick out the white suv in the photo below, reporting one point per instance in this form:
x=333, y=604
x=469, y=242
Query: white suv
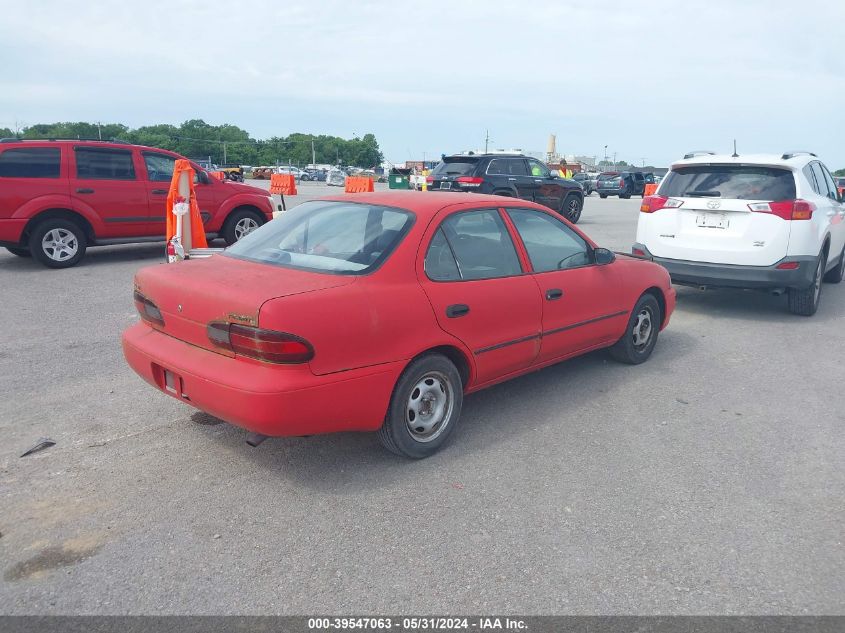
x=296, y=172
x=770, y=222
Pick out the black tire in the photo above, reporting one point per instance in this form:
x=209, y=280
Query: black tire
x=20, y=252
x=571, y=207
x=602, y=196
x=805, y=301
x=239, y=221
x=629, y=349
x=396, y=434
x=67, y=250
x=835, y=275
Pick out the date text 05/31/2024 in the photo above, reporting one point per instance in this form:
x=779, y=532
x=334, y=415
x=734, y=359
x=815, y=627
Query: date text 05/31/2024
x=416, y=624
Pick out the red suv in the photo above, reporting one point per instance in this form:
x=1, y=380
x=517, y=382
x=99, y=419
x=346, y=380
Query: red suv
x=57, y=197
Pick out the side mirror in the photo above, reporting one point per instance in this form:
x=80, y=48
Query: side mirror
x=604, y=256
x=554, y=174
x=202, y=176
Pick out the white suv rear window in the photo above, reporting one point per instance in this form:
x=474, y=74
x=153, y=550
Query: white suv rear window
x=742, y=182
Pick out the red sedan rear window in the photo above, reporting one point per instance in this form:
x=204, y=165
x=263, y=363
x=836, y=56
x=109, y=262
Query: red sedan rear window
x=344, y=238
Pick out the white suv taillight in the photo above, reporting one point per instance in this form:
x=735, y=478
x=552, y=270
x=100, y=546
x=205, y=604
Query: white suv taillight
x=786, y=209
x=655, y=203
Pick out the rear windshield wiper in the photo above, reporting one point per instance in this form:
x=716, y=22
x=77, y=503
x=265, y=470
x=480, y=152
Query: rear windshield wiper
x=702, y=194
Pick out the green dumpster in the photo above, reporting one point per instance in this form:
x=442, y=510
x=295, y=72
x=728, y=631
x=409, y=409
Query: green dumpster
x=398, y=181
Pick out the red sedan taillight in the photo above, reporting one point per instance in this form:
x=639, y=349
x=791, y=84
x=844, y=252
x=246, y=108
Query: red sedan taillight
x=655, y=203
x=265, y=345
x=786, y=209
x=469, y=181
x=148, y=310
x=429, y=180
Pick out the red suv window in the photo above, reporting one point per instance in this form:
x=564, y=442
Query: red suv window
x=95, y=163
x=30, y=162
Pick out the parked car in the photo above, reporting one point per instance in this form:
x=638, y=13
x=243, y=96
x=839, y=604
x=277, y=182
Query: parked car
x=753, y=221
x=297, y=173
x=587, y=183
x=316, y=174
x=58, y=197
x=620, y=183
x=512, y=175
x=441, y=295
x=336, y=178
x=263, y=173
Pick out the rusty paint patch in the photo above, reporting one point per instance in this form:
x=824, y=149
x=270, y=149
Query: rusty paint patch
x=242, y=318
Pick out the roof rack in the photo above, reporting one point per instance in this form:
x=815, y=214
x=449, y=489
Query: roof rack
x=47, y=140
x=797, y=152
x=699, y=152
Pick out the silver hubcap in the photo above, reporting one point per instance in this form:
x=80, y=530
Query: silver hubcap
x=245, y=226
x=60, y=245
x=429, y=407
x=642, y=328
x=817, y=284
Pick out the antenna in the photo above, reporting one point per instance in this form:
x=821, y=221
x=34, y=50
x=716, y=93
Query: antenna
x=734, y=155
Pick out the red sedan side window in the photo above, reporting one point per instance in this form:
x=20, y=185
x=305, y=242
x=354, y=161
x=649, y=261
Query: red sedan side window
x=478, y=245
x=551, y=245
x=440, y=264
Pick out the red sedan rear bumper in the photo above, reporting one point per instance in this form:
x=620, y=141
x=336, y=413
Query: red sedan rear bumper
x=274, y=400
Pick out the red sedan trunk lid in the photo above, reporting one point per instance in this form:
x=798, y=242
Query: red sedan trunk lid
x=192, y=294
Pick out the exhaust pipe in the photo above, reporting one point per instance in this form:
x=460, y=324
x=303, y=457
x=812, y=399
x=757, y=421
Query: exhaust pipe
x=254, y=439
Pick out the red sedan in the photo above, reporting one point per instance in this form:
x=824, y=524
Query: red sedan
x=379, y=311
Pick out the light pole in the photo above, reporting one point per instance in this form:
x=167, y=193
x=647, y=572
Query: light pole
x=614, y=161
x=605, y=155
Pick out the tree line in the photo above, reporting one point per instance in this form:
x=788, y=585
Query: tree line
x=222, y=143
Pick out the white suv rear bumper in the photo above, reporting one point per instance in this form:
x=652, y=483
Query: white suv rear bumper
x=690, y=273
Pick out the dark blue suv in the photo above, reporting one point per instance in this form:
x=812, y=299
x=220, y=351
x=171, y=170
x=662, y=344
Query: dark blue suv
x=512, y=175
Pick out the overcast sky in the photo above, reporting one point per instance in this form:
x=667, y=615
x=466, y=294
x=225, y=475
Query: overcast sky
x=649, y=79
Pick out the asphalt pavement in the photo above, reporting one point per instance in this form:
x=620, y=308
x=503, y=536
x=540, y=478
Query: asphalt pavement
x=709, y=480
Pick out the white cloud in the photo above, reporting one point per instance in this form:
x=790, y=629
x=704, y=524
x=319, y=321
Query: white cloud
x=650, y=79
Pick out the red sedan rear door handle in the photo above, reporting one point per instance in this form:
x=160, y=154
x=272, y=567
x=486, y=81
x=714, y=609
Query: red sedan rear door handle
x=457, y=310
x=553, y=293
x=84, y=191
x=159, y=192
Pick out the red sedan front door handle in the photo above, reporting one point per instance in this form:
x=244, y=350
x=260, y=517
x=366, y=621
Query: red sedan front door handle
x=457, y=310
x=553, y=294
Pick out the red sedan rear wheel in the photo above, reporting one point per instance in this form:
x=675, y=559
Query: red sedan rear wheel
x=424, y=408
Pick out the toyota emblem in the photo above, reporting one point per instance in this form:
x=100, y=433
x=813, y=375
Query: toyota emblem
x=714, y=204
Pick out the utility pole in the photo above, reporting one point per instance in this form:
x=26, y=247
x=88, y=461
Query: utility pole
x=224, y=153
x=99, y=131
x=614, y=161
x=313, y=154
x=486, y=140
x=643, y=159
x=605, y=155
